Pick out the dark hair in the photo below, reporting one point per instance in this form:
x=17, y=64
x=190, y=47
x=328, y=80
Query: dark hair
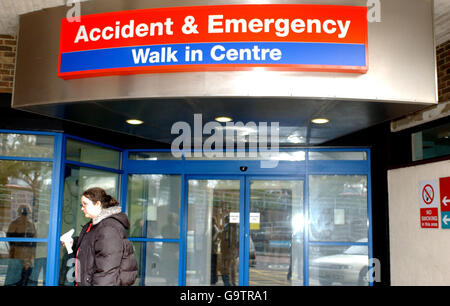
x=98, y=194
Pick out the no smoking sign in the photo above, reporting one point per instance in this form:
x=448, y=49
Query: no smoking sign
x=429, y=204
x=428, y=194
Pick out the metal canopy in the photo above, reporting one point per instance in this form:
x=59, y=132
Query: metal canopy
x=293, y=115
x=393, y=86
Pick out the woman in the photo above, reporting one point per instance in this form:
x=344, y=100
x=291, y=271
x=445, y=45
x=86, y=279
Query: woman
x=104, y=255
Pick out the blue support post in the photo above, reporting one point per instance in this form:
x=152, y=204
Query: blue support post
x=124, y=183
x=54, y=230
x=244, y=231
x=306, y=227
x=369, y=207
x=183, y=232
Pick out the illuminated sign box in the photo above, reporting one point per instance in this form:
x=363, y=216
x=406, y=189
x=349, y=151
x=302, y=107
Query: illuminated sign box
x=216, y=38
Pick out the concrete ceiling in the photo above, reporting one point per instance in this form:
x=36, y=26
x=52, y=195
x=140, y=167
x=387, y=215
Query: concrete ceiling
x=11, y=9
x=442, y=21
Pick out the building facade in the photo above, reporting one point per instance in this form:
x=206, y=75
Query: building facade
x=314, y=207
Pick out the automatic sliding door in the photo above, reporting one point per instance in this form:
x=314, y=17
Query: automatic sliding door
x=213, y=232
x=276, y=232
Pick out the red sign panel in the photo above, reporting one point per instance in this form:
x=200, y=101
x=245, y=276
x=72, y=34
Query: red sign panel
x=429, y=218
x=216, y=37
x=444, y=187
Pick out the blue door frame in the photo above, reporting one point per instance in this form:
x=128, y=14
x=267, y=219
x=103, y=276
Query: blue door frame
x=299, y=170
x=207, y=169
x=244, y=214
x=248, y=180
x=242, y=237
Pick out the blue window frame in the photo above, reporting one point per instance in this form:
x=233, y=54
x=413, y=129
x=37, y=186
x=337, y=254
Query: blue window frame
x=230, y=169
x=300, y=170
x=49, y=240
x=81, y=165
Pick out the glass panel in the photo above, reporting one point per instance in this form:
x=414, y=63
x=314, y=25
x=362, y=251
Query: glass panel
x=213, y=232
x=431, y=143
x=417, y=146
x=25, y=189
x=157, y=263
x=276, y=231
x=152, y=156
x=91, y=154
x=154, y=206
x=77, y=180
x=282, y=156
x=26, y=145
x=22, y=263
x=339, y=265
x=338, y=207
x=327, y=155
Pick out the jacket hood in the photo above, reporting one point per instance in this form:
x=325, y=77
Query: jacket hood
x=113, y=212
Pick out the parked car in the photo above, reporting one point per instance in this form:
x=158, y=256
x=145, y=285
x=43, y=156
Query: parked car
x=348, y=268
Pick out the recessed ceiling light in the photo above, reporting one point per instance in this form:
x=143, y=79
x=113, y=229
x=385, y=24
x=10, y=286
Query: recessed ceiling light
x=320, y=120
x=134, y=121
x=223, y=119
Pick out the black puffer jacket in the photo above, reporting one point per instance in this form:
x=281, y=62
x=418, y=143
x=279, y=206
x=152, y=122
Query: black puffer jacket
x=105, y=255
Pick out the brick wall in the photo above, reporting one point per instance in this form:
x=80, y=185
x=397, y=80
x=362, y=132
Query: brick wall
x=7, y=62
x=443, y=69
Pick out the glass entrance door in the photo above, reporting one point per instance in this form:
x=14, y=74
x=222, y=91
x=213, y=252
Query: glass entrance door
x=213, y=232
x=244, y=231
x=276, y=232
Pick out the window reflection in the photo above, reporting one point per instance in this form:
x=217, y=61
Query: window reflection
x=24, y=228
x=77, y=180
x=338, y=207
x=157, y=263
x=154, y=206
x=154, y=211
x=276, y=224
x=333, y=155
x=26, y=269
x=225, y=249
x=92, y=154
x=213, y=233
x=431, y=143
x=25, y=189
x=26, y=145
x=152, y=156
x=339, y=265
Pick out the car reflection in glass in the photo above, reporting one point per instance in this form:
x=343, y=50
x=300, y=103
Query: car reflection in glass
x=349, y=268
